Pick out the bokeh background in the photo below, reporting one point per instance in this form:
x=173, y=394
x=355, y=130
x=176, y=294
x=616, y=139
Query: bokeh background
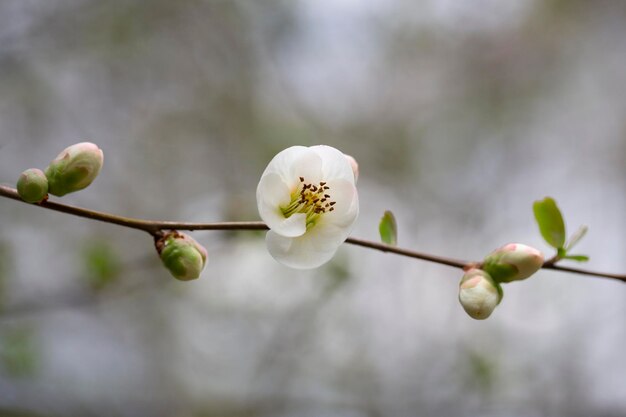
x=460, y=113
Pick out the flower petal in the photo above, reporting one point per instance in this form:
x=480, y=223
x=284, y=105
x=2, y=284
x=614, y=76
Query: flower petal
x=335, y=165
x=307, y=165
x=281, y=163
x=346, y=208
x=271, y=194
x=295, y=162
x=313, y=249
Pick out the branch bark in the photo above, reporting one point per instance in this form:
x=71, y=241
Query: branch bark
x=155, y=227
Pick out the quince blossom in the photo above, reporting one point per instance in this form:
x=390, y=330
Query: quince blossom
x=308, y=199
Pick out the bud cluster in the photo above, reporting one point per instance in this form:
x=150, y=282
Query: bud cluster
x=72, y=170
x=480, y=288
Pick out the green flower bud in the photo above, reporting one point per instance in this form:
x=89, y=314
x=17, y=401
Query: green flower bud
x=479, y=294
x=513, y=262
x=74, y=168
x=32, y=186
x=182, y=255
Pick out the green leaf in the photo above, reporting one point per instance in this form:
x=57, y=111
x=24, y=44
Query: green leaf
x=482, y=371
x=18, y=352
x=388, y=229
x=576, y=237
x=577, y=258
x=338, y=274
x=5, y=260
x=101, y=264
x=550, y=222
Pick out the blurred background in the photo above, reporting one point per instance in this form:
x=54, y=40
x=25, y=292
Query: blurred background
x=460, y=113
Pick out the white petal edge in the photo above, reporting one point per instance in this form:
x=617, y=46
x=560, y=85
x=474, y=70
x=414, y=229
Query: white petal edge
x=346, y=209
x=271, y=194
x=335, y=165
x=295, y=162
x=308, y=165
x=308, y=251
x=283, y=160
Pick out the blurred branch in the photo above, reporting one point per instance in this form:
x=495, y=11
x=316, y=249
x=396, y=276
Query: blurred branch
x=155, y=228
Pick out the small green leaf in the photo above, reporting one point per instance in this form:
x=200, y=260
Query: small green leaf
x=18, y=353
x=5, y=260
x=550, y=222
x=576, y=237
x=577, y=258
x=101, y=264
x=388, y=229
x=338, y=274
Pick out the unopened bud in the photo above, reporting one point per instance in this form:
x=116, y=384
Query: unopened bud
x=513, y=262
x=32, y=186
x=354, y=165
x=182, y=255
x=479, y=294
x=74, y=168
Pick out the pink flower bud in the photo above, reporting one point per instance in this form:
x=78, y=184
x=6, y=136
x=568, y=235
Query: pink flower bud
x=478, y=294
x=74, y=168
x=513, y=262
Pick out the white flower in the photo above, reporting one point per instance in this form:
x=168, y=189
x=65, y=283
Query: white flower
x=308, y=199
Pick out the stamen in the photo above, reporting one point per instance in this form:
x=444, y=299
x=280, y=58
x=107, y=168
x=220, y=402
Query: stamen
x=309, y=199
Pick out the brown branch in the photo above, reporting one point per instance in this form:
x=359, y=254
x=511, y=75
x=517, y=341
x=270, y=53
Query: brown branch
x=155, y=227
x=620, y=277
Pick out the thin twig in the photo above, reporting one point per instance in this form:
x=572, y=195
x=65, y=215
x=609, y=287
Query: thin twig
x=620, y=277
x=155, y=227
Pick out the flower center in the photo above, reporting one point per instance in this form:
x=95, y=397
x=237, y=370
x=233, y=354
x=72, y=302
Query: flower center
x=310, y=199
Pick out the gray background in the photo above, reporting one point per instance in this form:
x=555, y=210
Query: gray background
x=460, y=113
